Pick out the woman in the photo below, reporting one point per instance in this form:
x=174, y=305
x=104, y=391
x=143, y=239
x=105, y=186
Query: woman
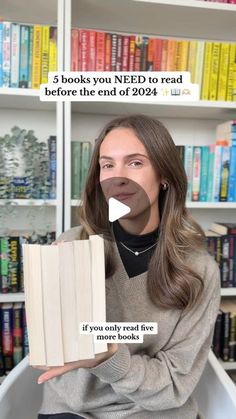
x=157, y=270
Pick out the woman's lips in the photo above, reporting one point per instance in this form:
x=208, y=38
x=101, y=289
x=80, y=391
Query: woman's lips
x=123, y=196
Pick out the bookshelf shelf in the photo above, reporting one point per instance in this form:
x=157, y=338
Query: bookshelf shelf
x=23, y=99
x=191, y=205
x=12, y=297
x=28, y=202
x=165, y=17
x=228, y=292
x=195, y=110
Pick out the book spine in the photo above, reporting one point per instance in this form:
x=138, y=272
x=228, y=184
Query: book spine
x=1, y=53
x=172, y=54
x=182, y=64
x=138, y=52
x=210, y=172
x=164, y=54
x=25, y=333
x=14, y=264
x=108, y=52
x=100, y=51
x=188, y=166
x=216, y=174
x=150, y=54
x=125, y=55
x=232, y=337
x=52, y=48
x=225, y=337
x=196, y=173
x=119, y=52
x=199, y=64
x=113, y=51
x=24, y=56
x=17, y=333
x=75, y=64
x=214, y=71
x=4, y=264
x=224, y=175
x=131, y=52
x=52, y=149
x=231, y=72
x=45, y=54
x=37, y=45
x=2, y=370
x=204, y=173
x=75, y=169
x=157, y=54
x=232, y=175
x=217, y=335
x=15, y=54
x=92, y=51
x=84, y=49
x=192, y=59
x=85, y=160
x=6, y=53
x=223, y=71
x=7, y=339
x=30, y=68
x=206, y=71
x=232, y=244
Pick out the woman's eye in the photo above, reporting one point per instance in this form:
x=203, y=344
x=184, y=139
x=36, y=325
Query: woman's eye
x=136, y=163
x=106, y=166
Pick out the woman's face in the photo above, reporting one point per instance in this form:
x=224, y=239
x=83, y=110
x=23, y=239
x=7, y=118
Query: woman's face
x=123, y=159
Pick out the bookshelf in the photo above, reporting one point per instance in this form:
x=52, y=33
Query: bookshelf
x=189, y=123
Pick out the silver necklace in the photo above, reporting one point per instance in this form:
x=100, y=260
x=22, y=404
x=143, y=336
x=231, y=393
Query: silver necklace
x=136, y=253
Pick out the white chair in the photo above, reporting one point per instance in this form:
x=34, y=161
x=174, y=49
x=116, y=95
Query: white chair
x=20, y=395
x=215, y=392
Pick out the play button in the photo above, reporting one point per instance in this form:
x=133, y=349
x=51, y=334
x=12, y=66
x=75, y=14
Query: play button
x=116, y=209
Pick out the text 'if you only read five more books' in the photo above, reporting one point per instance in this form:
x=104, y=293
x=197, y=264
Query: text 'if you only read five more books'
x=64, y=285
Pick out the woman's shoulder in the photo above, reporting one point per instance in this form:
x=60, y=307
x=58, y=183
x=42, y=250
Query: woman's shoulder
x=69, y=235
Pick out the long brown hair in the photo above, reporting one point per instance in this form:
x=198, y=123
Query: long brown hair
x=171, y=282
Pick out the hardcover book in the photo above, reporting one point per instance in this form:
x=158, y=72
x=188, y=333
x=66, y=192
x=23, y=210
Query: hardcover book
x=64, y=286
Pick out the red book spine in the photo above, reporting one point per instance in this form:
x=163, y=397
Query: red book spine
x=92, y=51
x=119, y=53
x=75, y=50
x=131, y=52
x=100, y=51
x=108, y=52
x=84, y=49
x=157, y=54
x=125, y=53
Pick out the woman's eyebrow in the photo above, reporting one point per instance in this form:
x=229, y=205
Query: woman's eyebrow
x=126, y=157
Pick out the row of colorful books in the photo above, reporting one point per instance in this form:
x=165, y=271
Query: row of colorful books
x=221, y=244
x=27, y=167
x=224, y=340
x=80, y=159
x=11, y=257
x=13, y=336
x=27, y=54
x=211, y=172
x=212, y=64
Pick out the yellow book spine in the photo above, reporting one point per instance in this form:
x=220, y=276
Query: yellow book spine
x=182, y=63
x=192, y=59
x=223, y=71
x=206, y=70
x=45, y=54
x=53, y=49
x=234, y=84
x=231, y=72
x=198, y=76
x=214, y=72
x=36, y=67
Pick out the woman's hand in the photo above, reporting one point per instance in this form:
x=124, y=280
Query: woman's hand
x=52, y=372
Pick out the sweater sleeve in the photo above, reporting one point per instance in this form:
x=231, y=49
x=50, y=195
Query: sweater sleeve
x=168, y=379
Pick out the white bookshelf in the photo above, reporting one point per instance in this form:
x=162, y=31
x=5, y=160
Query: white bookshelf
x=15, y=297
x=29, y=202
x=228, y=366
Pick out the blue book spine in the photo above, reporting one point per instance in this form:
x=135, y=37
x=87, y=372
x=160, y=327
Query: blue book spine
x=1, y=53
x=216, y=174
x=232, y=175
x=52, y=146
x=204, y=174
x=211, y=163
x=6, y=51
x=24, y=56
x=15, y=54
x=188, y=166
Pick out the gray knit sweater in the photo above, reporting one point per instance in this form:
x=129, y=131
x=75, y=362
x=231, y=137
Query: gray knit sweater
x=153, y=379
